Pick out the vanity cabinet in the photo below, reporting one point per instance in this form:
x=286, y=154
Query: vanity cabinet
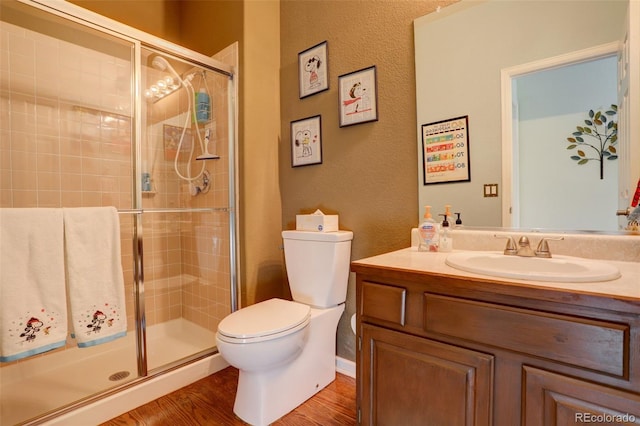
x=444, y=350
x=416, y=381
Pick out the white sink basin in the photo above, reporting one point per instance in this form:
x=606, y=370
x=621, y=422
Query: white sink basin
x=558, y=268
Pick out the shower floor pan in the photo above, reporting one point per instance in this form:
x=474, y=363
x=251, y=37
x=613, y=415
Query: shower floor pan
x=35, y=386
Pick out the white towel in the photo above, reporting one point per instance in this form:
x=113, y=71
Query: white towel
x=94, y=274
x=33, y=304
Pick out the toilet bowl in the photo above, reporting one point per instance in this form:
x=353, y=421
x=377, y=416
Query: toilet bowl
x=292, y=368
x=265, y=335
x=285, y=350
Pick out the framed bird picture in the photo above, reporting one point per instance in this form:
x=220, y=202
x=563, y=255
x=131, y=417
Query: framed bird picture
x=358, y=97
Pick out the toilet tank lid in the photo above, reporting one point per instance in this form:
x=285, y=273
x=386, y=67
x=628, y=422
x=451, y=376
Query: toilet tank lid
x=265, y=318
x=318, y=236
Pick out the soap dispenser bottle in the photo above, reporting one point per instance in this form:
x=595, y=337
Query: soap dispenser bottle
x=429, y=232
x=446, y=241
x=458, y=221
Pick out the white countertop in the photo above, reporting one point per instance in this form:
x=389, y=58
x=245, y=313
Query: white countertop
x=410, y=259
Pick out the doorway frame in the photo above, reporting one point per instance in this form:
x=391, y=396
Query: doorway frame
x=506, y=93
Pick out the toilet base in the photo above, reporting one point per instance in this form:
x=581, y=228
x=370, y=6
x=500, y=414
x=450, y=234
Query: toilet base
x=265, y=396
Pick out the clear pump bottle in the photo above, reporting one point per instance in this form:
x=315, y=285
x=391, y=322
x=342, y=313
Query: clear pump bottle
x=458, y=221
x=446, y=241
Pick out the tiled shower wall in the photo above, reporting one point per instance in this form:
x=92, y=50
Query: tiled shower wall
x=66, y=141
x=187, y=273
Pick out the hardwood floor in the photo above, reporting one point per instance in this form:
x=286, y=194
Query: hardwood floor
x=210, y=402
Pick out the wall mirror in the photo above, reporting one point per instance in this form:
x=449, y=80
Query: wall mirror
x=465, y=54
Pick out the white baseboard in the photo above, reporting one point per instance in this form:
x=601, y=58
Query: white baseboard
x=346, y=367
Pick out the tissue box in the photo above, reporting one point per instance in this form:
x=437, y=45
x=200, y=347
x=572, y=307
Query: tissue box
x=318, y=222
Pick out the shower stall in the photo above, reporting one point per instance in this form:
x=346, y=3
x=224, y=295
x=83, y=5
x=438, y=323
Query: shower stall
x=94, y=113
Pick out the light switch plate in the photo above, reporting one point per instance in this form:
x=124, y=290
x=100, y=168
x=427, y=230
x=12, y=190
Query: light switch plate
x=490, y=190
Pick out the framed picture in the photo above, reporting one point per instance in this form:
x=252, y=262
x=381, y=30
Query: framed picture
x=306, y=141
x=358, y=97
x=171, y=136
x=445, y=151
x=313, y=70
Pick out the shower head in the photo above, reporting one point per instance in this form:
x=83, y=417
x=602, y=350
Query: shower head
x=162, y=64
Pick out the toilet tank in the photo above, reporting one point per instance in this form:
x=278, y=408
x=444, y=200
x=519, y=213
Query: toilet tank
x=318, y=266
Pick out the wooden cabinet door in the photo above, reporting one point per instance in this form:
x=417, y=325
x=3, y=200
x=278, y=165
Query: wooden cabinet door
x=408, y=380
x=554, y=399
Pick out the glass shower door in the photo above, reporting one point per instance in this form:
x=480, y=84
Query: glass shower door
x=66, y=136
x=184, y=188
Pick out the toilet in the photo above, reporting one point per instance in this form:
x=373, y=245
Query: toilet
x=285, y=351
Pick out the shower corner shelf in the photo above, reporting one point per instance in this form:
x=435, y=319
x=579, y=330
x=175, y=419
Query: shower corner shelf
x=148, y=193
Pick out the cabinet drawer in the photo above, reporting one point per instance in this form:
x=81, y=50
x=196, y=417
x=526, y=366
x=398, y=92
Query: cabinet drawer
x=596, y=345
x=383, y=302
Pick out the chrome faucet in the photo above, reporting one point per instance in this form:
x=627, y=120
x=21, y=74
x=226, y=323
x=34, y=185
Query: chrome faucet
x=543, y=247
x=510, y=248
x=524, y=249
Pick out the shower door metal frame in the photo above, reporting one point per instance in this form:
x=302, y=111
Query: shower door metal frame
x=140, y=39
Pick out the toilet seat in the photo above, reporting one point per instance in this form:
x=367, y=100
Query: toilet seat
x=271, y=319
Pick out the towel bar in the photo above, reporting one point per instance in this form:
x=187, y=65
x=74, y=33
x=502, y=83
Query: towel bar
x=187, y=210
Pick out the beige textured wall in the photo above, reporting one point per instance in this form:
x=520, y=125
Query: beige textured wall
x=157, y=17
x=210, y=26
x=261, y=257
x=368, y=174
